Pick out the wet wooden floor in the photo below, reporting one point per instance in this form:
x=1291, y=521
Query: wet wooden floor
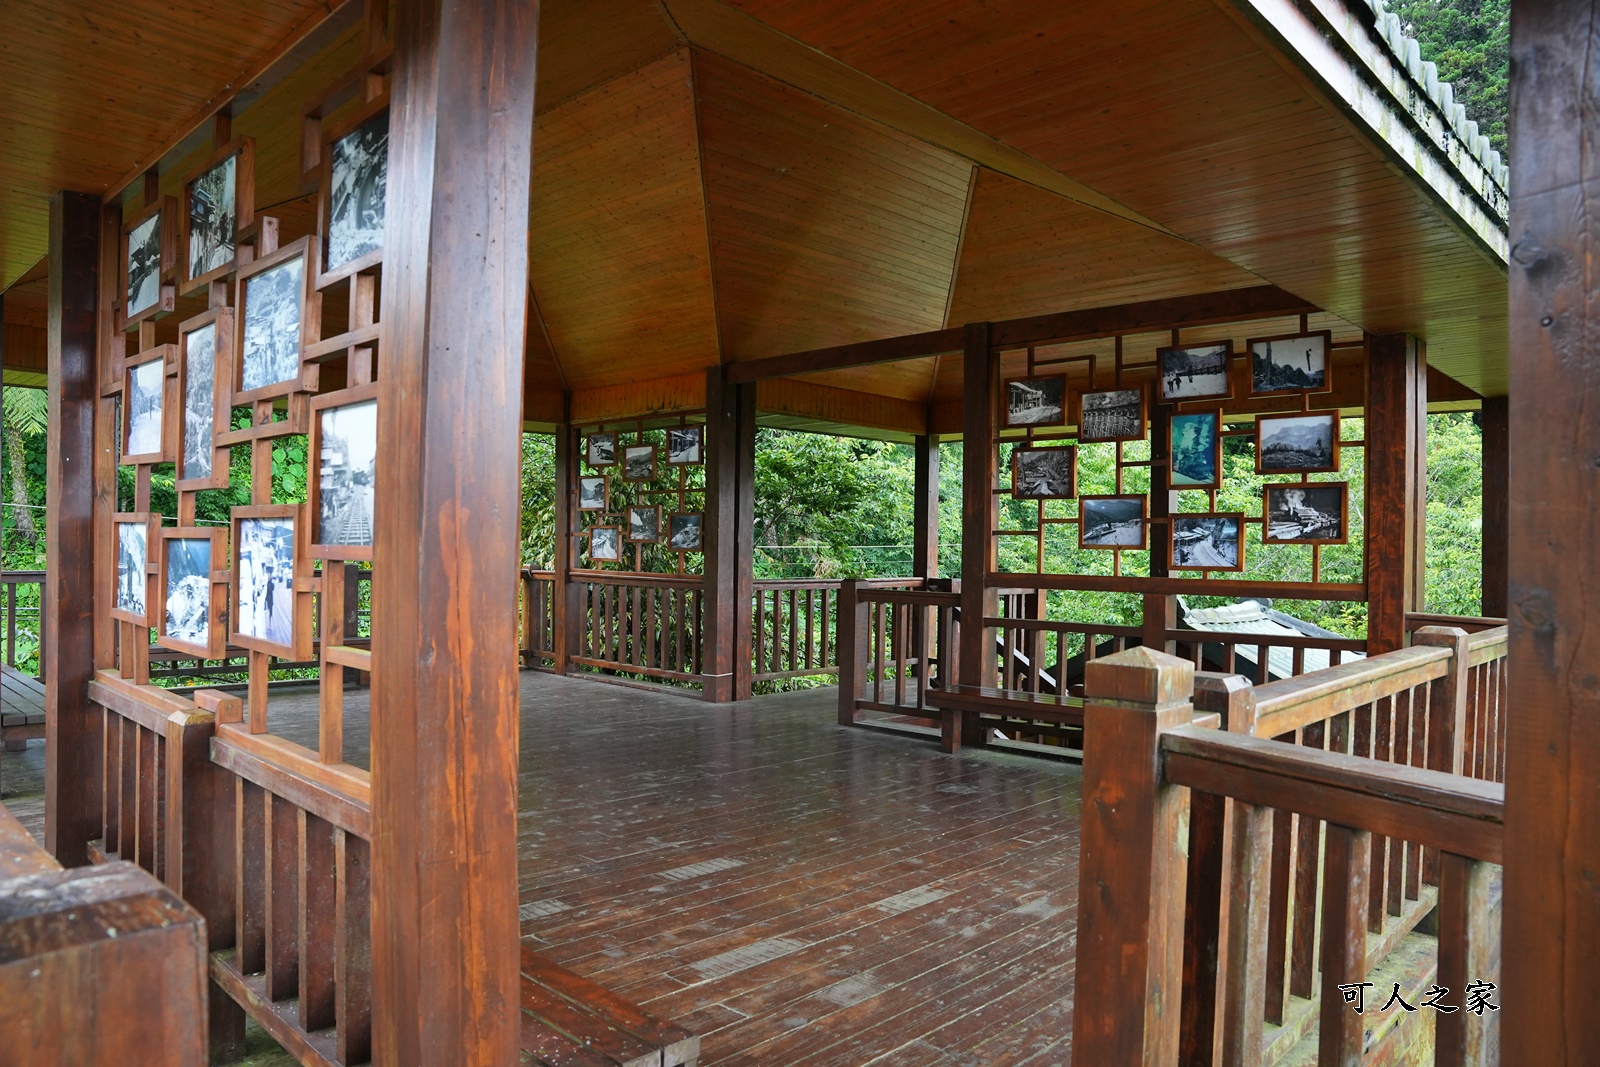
x=794, y=892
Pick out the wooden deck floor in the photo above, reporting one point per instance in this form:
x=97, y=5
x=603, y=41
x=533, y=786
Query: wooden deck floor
x=794, y=892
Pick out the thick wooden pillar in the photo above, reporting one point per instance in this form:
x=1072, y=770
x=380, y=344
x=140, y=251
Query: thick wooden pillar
x=1397, y=429
x=925, y=508
x=72, y=730
x=980, y=382
x=565, y=603
x=444, y=688
x=1160, y=610
x=729, y=538
x=1552, y=909
x=1496, y=504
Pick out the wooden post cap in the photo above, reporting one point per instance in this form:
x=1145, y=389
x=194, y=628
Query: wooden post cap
x=1140, y=675
x=1229, y=695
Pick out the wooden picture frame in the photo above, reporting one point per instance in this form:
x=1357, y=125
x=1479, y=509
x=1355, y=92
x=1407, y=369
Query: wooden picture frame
x=163, y=214
x=698, y=433
x=303, y=378
x=1343, y=491
x=605, y=492
x=130, y=576
x=1331, y=418
x=1326, y=339
x=242, y=151
x=298, y=645
x=638, y=449
x=1184, y=419
x=1084, y=503
x=644, y=509
x=136, y=374
x=370, y=112
x=336, y=464
x=192, y=408
x=600, y=439
x=215, y=595
x=1137, y=434
x=1018, y=475
x=699, y=526
x=1166, y=375
x=615, y=555
x=1010, y=417
x=1178, y=542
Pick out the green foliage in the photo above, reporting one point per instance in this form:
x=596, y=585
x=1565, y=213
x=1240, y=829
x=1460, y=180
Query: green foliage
x=1470, y=40
x=538, y=500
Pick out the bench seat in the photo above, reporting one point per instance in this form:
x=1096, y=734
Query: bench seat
x=962, y=703
x=569, y=1021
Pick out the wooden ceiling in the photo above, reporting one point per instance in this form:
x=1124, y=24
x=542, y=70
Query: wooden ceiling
x=728, y=180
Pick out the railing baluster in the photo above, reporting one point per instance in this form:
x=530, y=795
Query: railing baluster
x=317, y=934
x=283, y=896
x=353, y=952
x=250, y=878
x=1308, y=856
x=794, y=642
x=1341, y=1031
x=897, y=638
x=1280, y=889
x=1466, y=944
x=1383, y=852
x=11, y=623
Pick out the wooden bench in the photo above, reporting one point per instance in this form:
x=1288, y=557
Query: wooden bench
x=967, y=704
x=21, y=708
x=569, y=1021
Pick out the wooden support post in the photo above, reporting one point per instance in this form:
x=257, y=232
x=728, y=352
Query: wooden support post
x=1552, y=912
x=1133, y=866
x=925, y=509
x=445, y=981
x=980, y=380
x=1396, y=449
x=729, y=534
x=854, y=632
x=1496, y=504
x=1160, y=612
x=566, y=607
x=72, y=728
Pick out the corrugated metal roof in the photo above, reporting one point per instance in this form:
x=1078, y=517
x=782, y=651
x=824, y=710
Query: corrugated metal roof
x=1254, y=617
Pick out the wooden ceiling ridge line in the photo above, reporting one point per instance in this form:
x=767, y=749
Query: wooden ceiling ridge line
x=544, y=328
x=955, y=278
x=705, y=188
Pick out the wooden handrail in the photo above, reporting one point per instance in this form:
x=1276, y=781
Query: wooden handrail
x=1291, y=703
x=1223, y=637
x=1486, y=645
x=1098, y=629
x=1416, y=620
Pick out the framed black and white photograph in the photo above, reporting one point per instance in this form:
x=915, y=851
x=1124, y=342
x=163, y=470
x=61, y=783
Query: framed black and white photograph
x=205, y=371
x=149, y=254
x=684, y=531
x=594, y=493
x=639, y=463
x=1036, y=401
x=1193, y=372
x=355, y=193
x=268, y=613
x=1309, y=514
x=644, y=524
x=218, y=201
x=1297, y=444
x=1043, y=473
x=144, y=408
x=683, y=445
x=1293, y=363
x=1112, y=522
x=1112, y=415
x=600, y=449
x=193, y=603
x=1196, y=450
x=605, y=544
x=133, y=592
x=273, y=294
x=344, y=443
x=1210, y=542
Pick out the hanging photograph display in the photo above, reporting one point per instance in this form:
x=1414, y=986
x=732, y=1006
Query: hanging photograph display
x=1313, y=513
x=1297, y=444
x=601, y=449
x=1043, y=473
x=218, y=201
x=273, y=296
x=1210, y=542
x=594, y=493
x=144, y=396
x=355, y=183
x=1196, y=450
x=149, y=254
x=639, y=463
x=269, y=615
x=684, y=532
x=605, y=544
x=644, y=524
x=344, y=446
x=1193, y=372
x=193, y=603
x=683, y=445
x=1036, y=401
x=205, y=369
x=1292, y=363
x=1112, y=415
x=134, y=532
x=1112, y=522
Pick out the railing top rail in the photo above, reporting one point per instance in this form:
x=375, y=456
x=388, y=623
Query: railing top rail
x=1226, y=637
x=21, y=577
x=909, y=596
x=1098, y=629
x=676, y=581
x=761, y=584
x=534, y=572
x=1416, y=620
x=1464, y=816
x=1486, y=645
x=338, y=792
x=1291, y=703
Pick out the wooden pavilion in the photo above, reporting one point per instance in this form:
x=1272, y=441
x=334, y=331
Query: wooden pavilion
x=648, y=227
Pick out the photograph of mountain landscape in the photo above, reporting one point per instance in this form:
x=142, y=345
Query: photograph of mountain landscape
x=1297, y=444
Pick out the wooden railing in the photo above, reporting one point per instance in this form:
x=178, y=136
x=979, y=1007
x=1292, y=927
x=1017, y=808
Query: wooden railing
x=1484, y=728
x=894, y=643
x=537, y=629
x=1416, y=620
x=1328, y=817
x=1035, y=655
x=22, y=619
x=1276, y=657
x=643, y=625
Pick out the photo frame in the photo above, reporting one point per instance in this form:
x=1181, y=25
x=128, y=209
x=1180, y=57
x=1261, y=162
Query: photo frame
x=634, y=460
x=1194, y=372
x=271, y=603
x=1031, y=402
x=1195, y=449
x=213, y=210
x=205, y=374
x=1278, y=370
x=1113, y=521
x=686, y=532
x=1207, y=541
x=149, y=258
x=605, y=544
x=1305, y=513
x=594, y=492
x=1044, y=473
x=644, y=524
x=341, y=490
x=353, y=183
x=275, y=319
x=133, y=595
x=685, y=446
x=193, y=613
x=600, y=450
x=148, y=402
x=1300, y=443
x=1112, y=415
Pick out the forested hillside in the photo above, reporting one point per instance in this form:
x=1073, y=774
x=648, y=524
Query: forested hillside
x=1470, y=40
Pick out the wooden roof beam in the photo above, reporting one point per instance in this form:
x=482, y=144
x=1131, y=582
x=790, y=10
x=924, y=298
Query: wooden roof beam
x=861, y=354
